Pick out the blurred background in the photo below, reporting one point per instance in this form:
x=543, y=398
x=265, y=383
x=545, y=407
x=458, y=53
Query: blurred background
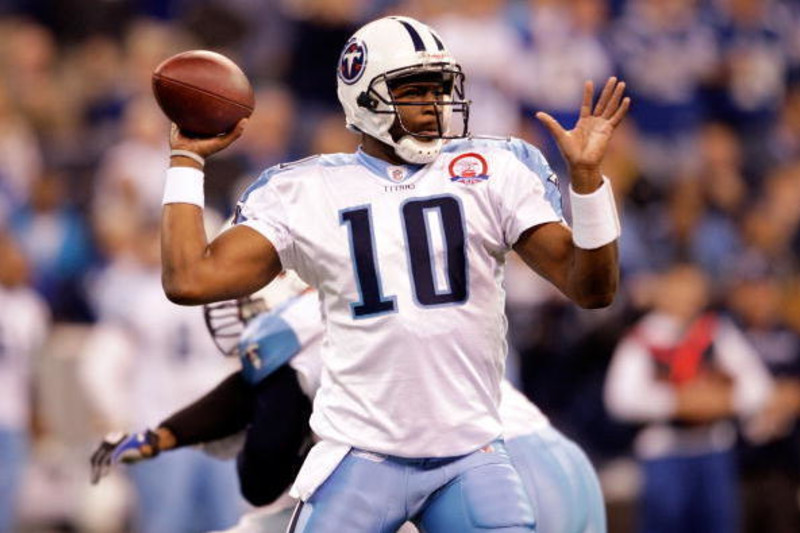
x=686, y=390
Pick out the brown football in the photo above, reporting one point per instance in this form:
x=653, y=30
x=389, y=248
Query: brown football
x=203, y=92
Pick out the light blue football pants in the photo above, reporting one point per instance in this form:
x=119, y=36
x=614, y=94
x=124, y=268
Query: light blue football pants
x=367, y=493
x=560, y=481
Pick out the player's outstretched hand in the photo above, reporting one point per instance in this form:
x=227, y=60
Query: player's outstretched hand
x=120, y=447
x=584, y=146
x=204, y=146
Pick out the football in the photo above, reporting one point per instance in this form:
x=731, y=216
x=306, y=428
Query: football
x=203, y=92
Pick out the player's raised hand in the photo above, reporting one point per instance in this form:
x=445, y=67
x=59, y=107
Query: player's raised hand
x=121, y=447
x=205, y=146
x=585, y=145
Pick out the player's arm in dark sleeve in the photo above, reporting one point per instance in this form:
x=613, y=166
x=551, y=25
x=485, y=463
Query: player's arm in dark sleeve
x=275, y=412
x=222, y=412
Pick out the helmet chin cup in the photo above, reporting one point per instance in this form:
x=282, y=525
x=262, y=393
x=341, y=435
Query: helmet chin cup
x=418, y=152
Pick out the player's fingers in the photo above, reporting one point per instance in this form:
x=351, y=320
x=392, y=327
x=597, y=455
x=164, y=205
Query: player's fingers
x=605, y=96
x=227, y=138
x=586, y=103
x=239, y=128
x=97, y=473
x=101, y=463
x=95, y=458
x=552, y=125
x=173, y=133
x=616, y=97
x=100, y=455
x=620, y=113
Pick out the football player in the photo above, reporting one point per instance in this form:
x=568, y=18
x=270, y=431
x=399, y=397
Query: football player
x=269, y=399
x=405, y=240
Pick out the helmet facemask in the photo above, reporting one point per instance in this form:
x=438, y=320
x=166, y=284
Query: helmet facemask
x=409, y=145
x=226, y=320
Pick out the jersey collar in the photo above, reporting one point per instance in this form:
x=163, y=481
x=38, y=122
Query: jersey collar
x=385, y=170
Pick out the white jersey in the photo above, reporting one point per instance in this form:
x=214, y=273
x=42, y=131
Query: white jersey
x=24, y=323
x=290, y=334
x=408, y=261
x=519, y=415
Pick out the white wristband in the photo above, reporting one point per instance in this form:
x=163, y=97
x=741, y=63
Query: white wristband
x=595, y=222
x=184, y=185
x=191, y=155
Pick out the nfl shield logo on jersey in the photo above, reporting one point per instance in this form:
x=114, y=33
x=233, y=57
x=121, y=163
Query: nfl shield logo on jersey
x=469, y=169
x=396, y=174
x=352, y=61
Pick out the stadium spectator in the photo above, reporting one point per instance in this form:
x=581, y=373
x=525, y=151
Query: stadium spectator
x=769, y=450
x=666, y=53
x=24, y=325
x=56, y=240
x=684, y=373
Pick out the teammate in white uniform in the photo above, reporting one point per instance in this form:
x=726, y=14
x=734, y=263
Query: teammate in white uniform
x=558, y=478
x=24, y=325
x=405, y=242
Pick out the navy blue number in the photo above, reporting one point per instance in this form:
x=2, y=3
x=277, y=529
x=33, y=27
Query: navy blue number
x=419, y=249
x=362, y=251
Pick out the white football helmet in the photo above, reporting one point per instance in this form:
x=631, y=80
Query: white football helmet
x=226, y=320
x=387, y=51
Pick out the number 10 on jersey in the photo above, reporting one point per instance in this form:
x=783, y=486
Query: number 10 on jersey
x=414, y=216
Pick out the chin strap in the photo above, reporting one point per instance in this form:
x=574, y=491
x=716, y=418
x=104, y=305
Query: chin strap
x=419, y=152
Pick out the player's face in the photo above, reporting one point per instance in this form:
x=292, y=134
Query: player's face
x=419, y=110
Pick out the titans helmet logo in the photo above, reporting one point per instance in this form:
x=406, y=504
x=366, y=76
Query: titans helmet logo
x=353, y=61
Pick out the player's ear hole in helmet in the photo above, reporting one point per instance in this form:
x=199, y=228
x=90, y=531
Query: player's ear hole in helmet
x=381, y=57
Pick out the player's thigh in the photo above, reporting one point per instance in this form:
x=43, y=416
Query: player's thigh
x=361, y=495
x=271, y=456
x=488, y=495
x=590, y=493
x=560, y=481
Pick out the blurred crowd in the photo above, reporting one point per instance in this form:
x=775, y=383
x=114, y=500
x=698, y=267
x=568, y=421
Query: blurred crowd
x=706, y=171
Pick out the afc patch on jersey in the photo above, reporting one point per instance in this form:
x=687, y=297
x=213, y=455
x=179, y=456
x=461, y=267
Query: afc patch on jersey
x=469, y=169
